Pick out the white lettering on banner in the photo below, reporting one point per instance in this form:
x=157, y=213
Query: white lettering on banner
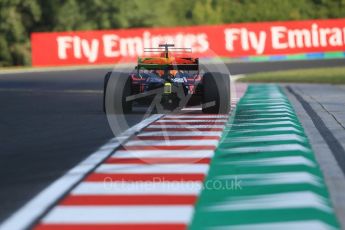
x=131, y=46
x=77, y=47
x=64, y=43
x=299, y=38
x=198, y=42
x=115, y=46
x=110, y=43
x=243, y=41
x=258, y=43
x=277, y=33
x=203, y=43
x=248, y=40
x=282, y=38
x=80, y=47
x=336, y=37
x=179, y=40
x=315, y=35
x=90, y=51
x=323, y=36
x=190, y=40
x=230, y=36
x=146, y=38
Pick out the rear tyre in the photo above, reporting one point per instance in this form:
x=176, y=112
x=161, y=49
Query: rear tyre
x=116, y=90
x=216, y=93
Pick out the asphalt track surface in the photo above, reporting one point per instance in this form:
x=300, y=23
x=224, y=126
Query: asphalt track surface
x=321, y=109
x=50, y=121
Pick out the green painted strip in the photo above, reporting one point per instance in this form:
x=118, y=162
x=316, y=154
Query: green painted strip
x=334, y=55
x=264, y=174
x=296, y=57
x=283, y=57
x=258, y=58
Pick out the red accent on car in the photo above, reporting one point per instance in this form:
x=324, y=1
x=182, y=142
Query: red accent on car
x=197, y=77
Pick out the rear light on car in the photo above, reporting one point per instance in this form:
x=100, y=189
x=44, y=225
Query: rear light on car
x=135, y=78
x=197, y=78
x=191, y=89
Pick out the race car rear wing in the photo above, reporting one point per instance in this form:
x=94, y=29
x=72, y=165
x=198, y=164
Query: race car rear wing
x=180, y=63
x=167, y=48
x=183, y=63
x=158, y=50
x=168, y=67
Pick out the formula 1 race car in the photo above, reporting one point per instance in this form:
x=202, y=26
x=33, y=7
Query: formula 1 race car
x=170, y=80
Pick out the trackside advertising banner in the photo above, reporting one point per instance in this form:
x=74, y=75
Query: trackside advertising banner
x=232, y=40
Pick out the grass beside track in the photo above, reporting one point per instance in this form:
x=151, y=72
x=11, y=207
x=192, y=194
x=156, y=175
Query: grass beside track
x=316, y=75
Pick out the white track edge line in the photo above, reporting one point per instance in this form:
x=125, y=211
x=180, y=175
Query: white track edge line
x=33, y=209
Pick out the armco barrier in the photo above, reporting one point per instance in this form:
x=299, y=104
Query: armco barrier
x=264, y=174
x=264, y=40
